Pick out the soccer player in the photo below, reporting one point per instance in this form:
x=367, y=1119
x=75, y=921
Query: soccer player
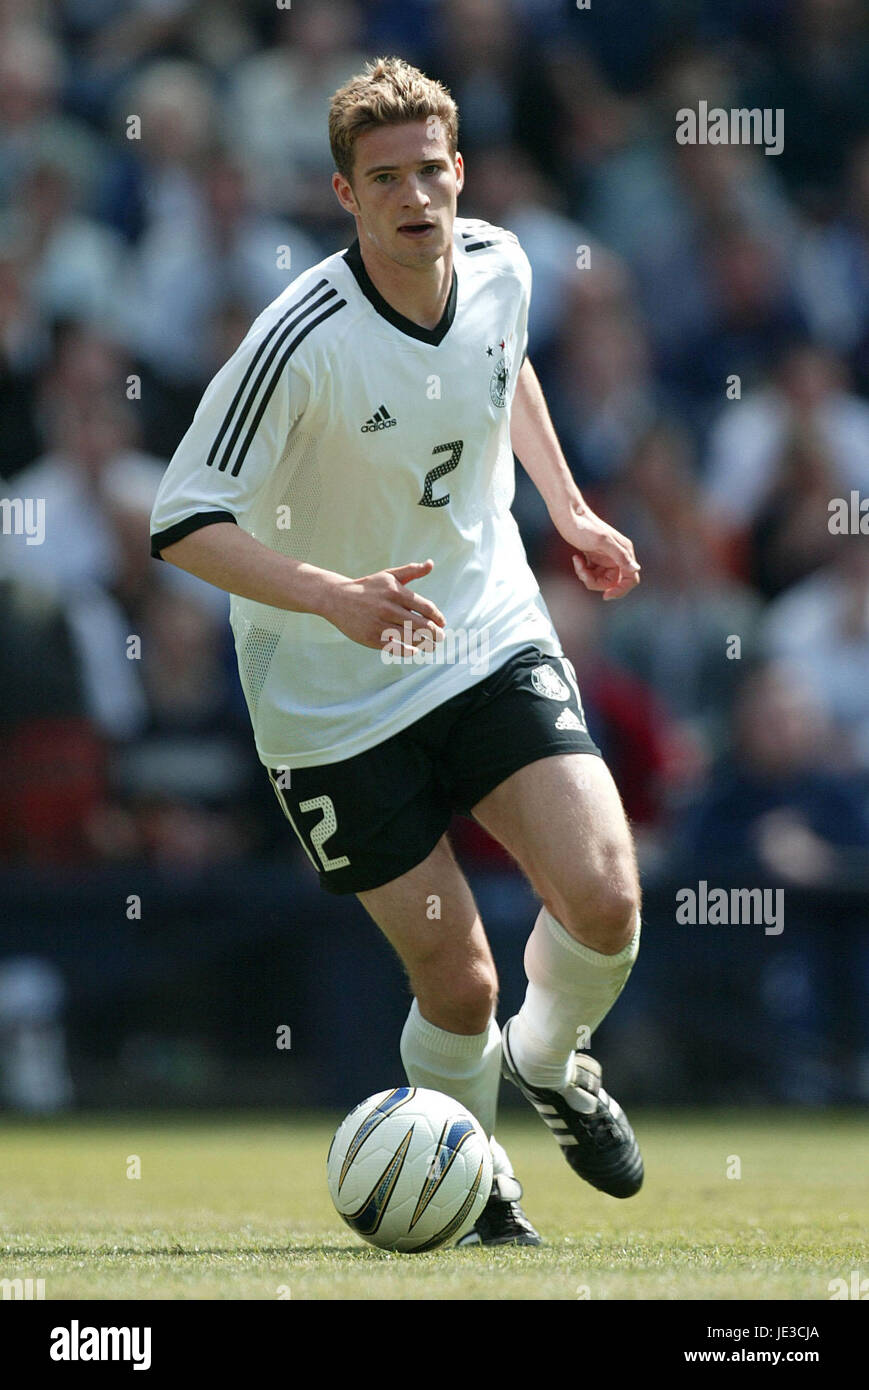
x=348, y=478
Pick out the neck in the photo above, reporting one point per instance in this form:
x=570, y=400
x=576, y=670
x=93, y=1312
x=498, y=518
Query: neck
x=420, y=293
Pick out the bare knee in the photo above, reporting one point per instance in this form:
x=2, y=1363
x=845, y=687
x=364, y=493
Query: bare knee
x=600, y=911
x=459, y=997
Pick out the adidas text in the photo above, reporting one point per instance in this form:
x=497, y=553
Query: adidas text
x=380, y=420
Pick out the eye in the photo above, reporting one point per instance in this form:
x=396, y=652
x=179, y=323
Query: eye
x=432, y=169
x=381, y=178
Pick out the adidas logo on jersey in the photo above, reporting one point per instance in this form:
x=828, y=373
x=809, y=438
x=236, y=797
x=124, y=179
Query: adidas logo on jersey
x=568, y=720
x=380, y=420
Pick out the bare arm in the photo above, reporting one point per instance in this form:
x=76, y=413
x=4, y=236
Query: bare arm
x=228, y=557
x=605, y=558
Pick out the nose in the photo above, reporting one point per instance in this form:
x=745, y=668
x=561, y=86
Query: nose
x=414, y=193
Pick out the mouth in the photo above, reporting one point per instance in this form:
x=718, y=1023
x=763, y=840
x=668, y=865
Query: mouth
x=417, y=231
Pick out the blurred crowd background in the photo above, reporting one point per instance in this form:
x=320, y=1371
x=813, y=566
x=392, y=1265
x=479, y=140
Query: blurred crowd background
x=707, y=371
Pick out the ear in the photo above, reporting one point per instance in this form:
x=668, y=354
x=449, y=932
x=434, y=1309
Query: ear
x=460, y=172
x=344, y=194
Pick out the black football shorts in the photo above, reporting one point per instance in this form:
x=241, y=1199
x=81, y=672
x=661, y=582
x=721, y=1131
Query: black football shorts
x=367, y=820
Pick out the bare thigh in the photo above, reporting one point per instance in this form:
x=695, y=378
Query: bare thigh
x=563, y=821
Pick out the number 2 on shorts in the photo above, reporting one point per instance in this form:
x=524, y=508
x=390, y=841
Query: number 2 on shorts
x=324, y=830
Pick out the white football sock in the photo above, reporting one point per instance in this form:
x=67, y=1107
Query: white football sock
x=464, y=1066
x=570, y=987
x=500, y=1161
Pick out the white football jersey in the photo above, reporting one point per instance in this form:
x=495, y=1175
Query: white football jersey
x=343, y=434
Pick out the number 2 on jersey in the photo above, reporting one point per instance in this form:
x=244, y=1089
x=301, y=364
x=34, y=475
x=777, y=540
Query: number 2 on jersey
x=455, y=448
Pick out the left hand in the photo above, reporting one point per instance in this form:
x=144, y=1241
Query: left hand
x=605, y=560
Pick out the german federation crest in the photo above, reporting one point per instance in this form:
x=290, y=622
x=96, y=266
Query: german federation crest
x=498, y=383
x=547, y=682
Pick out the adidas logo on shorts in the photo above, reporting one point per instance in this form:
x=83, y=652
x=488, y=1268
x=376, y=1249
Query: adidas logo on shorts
x=380, y=420
x=568, y=720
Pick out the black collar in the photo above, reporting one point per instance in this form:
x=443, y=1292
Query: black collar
x=353, y=257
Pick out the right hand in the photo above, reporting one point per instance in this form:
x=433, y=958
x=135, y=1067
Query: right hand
x=363, y=609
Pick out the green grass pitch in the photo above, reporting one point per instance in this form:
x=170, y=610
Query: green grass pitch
x=236, y=1207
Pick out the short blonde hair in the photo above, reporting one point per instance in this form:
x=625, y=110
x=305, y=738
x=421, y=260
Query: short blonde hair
x=388, y=92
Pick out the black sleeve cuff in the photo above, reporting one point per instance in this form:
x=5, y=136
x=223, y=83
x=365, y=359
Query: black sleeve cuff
x=161, y=539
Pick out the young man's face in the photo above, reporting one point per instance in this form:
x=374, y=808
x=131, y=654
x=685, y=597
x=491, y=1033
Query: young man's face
x=404, y=191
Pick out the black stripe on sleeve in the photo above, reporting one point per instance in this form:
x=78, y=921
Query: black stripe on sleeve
x=161, y=539
x=275, y=348
x=244, y=413
x=261, y=408
x=227, y=419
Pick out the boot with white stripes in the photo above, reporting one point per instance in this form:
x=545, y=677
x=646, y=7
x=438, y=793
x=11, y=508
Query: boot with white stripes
x=502, y=1221
x=592, y=1129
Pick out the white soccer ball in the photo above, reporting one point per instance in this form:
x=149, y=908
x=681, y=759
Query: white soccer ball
x=409, y=1169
